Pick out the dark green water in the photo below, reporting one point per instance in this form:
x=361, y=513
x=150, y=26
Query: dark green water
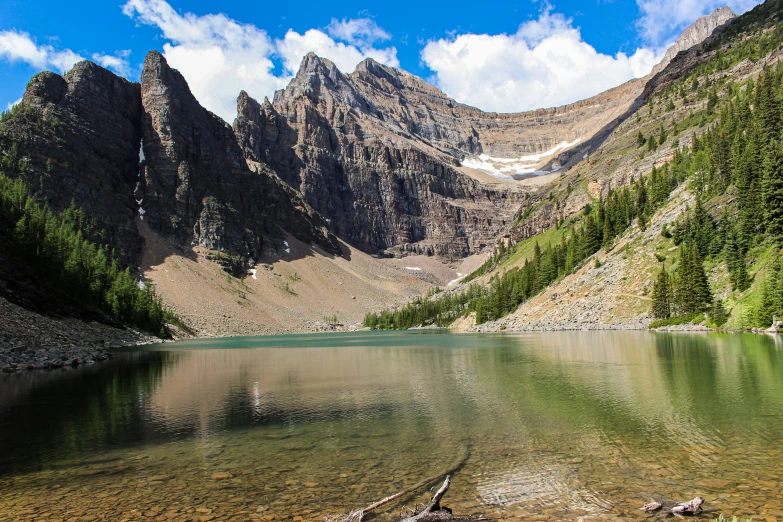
x=565, y=425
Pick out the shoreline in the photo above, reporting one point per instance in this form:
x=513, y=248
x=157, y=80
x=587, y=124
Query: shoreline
x=31, y=341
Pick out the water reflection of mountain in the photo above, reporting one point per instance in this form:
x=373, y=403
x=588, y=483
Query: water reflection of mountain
x=572, y=392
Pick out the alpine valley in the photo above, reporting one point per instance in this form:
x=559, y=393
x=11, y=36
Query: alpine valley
x=372, y=199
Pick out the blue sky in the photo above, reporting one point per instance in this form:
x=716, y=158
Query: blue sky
x=503, y=56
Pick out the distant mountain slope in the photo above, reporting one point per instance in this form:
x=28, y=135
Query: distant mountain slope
x=709, y=124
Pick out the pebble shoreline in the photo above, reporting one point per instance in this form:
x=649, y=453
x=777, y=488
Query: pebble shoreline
x=29, y=341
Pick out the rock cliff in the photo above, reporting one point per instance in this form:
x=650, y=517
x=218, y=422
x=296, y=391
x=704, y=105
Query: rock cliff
x=696, y=33
x=121, y=150
x=380, y=186
x=380, y=153
x=75, y=138
x=195, y=185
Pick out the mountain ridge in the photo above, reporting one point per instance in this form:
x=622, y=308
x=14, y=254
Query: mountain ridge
x=376, y=158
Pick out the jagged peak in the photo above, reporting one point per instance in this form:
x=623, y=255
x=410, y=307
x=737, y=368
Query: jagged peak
x=154, y=59
x=312, y=63
x=157, y=69
x=701, y=29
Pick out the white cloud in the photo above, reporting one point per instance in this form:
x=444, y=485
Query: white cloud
x=359, y=31
x=219, y=56
x=294, y=46
x=663, y=20
x=19, y=46
x=118, y=62
x=544, y=64
x=11, y=105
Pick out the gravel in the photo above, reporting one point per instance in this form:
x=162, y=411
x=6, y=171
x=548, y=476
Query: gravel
x=30, y=341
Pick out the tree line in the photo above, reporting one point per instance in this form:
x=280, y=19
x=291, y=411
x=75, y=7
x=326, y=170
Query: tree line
x=60, y=248
x=601, y=225
x=738, y=165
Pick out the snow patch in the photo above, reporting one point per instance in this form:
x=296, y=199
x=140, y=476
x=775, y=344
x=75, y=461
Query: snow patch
x=505, y=168
x=253, y=272
x=141, y=152
x=141, y=213
x=140, y=285
x=416, y=268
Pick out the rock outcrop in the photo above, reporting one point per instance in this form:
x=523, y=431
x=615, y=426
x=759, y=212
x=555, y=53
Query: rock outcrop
x=382, y=154
x=379, y=185
x=120, y=150
x=695, y=34
x=195, y=184
x=75, y=138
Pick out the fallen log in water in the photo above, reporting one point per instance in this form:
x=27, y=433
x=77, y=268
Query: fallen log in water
x=432, y=512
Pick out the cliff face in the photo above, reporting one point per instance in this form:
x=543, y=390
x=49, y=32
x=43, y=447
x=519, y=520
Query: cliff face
x=195, y=185
x=76, y=139
x=380, y=185
x=120, y=150
x=696, y=33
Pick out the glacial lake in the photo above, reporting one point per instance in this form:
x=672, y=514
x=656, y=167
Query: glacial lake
x=560, y=425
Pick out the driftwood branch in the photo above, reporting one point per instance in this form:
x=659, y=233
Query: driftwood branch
x=430, y=513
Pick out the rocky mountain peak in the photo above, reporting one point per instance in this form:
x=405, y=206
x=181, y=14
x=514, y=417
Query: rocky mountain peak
x=45, y=87
x=696, y=33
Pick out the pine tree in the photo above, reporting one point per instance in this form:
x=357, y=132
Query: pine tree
x=662, y=295
x=701, y=285
x=702, y=228
x=772, y=192
x=718, y=313
x=591, y=240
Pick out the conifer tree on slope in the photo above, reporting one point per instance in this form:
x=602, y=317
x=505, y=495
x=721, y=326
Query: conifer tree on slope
x=662, y=295
x=772, y=192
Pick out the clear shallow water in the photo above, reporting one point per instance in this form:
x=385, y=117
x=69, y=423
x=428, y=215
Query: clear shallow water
x=563, y=425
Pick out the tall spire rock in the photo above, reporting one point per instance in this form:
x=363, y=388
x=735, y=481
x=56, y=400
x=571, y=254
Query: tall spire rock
x=197, y=187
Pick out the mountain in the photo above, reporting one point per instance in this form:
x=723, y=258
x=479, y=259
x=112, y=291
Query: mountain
x=694, y=173
x=387, y=157
x=338, y=171
x=696, y=33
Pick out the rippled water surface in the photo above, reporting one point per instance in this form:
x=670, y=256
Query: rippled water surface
x=557, y=425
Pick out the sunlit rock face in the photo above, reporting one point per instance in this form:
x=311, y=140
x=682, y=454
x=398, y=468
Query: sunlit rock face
x=195, y=182
x=394, y=163
x=696, y=33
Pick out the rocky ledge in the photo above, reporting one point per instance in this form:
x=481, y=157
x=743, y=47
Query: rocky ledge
x=30, y=341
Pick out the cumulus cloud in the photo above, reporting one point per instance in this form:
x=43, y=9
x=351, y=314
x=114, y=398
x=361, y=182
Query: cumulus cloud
x=118, y=62
x=17, y=46
x=359, y=31
x=662, y=20
x=544, y=64
x=219, y=56
x=294, y=46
